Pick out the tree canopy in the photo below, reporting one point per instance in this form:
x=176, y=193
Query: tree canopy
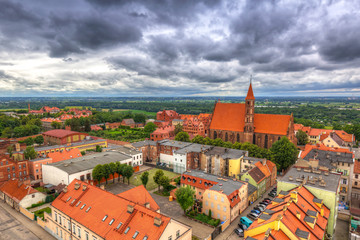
x=98, y=173
x=185, y=197
x=302, y=138
x=158, y=174
x=284, y=153
x=30, y=153
x=144, y=178
x=182, y=136
x=128, y=172
x=150, y=127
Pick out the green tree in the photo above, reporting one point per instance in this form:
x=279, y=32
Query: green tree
x=39, y=139
x=29, y=141
x=164, y=181
x=144, y=178
x=284, y=153
x=178, y=128
x=30, y=153
x=98, y=173
x=139, y=118
x=7, y=132
x=128, y=171
x=198, y=139
x=112, y=170
x=87, y=125
x=227, y=145
x=158, y=174
x=107, y=172
x=302, y=138
x=56, y=125
x=150, y=127
x=10, y=150
x=182, y=136
x=218, y=142
x=185, y=197
x=98, y=148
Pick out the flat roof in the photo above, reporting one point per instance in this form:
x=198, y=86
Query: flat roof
x=194, y=147
x=227, y=185
x=173, y=143
x=126, y=150
x=88, y=162
x=331, y=180
x=144, y=143
x=226, y=153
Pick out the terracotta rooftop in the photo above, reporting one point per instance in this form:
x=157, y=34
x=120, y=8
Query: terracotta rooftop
x=16, y=189
x=141, y=196
x=250, y=93
x=109, y=215
x=64, y=155
x=256, y=174
x=59, y=133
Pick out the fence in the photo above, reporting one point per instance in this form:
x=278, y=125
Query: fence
x=40, y=222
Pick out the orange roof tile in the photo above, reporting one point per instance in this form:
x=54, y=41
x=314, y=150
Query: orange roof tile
x=60, y=133
x=64, y=155
x=272, y=123
x=16, y=189
x=141, y=196
x=103, y=204
x=250, y=94
x=229, y=116
x=357, y=166
x=309, y=147
x=263, y=168
x=298, y=126
x=324, y=136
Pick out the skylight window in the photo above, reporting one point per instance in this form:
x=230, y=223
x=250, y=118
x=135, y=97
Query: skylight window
x=112, y=221
x=126, y=230
x=68, y=199
x=72, y=202
x=88, y=209
x=135, y=234
x=145, y=238
x=105, y=218
x=78, y=203
x=83, y=206
x=118, y=226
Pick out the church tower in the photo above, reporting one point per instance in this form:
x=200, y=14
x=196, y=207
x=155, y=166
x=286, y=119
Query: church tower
x=249, y=115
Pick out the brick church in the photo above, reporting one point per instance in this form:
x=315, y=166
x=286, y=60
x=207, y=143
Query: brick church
x=238, y=122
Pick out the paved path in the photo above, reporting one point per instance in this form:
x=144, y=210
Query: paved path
x=39, y=207
x=14, y=225
x=341, y=230
x=229, y=234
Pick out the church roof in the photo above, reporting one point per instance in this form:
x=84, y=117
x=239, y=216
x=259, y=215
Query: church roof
x=231, y=117
x=250, y=94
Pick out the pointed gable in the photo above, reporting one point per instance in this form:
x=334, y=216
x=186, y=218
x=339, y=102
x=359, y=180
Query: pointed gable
x=229, y=116
x=250, y=94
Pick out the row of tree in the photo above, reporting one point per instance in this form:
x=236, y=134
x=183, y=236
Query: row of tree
x=283, y=152
x=107, y=170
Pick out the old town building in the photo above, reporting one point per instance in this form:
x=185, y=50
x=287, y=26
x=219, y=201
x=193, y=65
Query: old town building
x=10, y=169
x=238, y=122
x=83, y=211
x=61, y=136
x=167, y=115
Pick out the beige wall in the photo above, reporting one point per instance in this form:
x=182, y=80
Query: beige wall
x=218, y=203
x=176, y=230
x=329, y=142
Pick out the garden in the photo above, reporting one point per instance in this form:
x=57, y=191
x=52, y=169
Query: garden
x=151, y=185
x=123, y=133
x=40, y=213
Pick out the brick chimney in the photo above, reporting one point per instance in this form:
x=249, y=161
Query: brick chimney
x=130, y=208
x=157, y=221
x=77, y=186
x=84, y=187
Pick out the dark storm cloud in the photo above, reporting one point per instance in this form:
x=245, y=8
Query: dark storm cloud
x=192, y=44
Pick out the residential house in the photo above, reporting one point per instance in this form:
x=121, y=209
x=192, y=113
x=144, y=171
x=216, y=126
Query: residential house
x=248, y=163
x=257, y=178
x=128, y=122
x=162, y=133
x=84, y=211
x=148, y=149
x=11, y=169
x=296, y=214
x=270, y=171
x=167, y=115
x=17, y=194
x=332, y=159
x=225, y=197
x=252, y=193
x=323, y=185
x=61, y=136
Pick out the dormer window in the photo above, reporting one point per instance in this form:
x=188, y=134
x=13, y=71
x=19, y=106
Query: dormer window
x=135, y=234
x=112, y=221
x=78, y=203
x=127, y=230
x=105, y=218
x=87, y=210
x=83, y=206
x=68, y=199
x=72, y=202
x=119, y=225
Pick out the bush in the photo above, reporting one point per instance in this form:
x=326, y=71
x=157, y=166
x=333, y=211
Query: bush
x=177, y=180
x=36, y=205
x=83, y=153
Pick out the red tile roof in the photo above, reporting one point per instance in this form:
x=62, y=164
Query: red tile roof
x=309, y=147
x=263, y=168
x=324, y=136
x=357, y=166
x=250, y=94
x=64, y=155
x=257, y=174
x=60, y=133
x=197, y=183
x=141, y=196
x=103, y=204
x=231, y=117
x=287, y=211
x=16, y=190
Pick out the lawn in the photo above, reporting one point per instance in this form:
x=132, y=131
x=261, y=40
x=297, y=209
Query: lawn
x=40, y=213
x=151, y=185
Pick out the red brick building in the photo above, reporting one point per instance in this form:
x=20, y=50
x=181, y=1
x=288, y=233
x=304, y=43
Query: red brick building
x=162, y=133
x=61, y=136
x=167, y=115
x=10, y=169
x=237, y=122
x=148, y=149
x=128, y=122
x=196, y=124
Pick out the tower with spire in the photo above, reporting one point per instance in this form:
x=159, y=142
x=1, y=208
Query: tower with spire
x=249, y=114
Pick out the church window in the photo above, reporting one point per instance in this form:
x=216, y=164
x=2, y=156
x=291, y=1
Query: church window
x=238, y=137
x=226, y=137
x=254, y=139
x=266, y=141
x=215, y=135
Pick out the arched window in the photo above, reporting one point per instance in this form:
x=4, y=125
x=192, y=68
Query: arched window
x=278, y=138
x=238, y=138
x=215, y=135
x=226, y=137
x=266, y=141
x=254, y=139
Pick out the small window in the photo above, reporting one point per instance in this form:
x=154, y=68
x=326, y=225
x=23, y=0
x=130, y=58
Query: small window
x=105, y=218
x=118, y=226
x=88, y=209
x=127, y=230
x=83, y=206
x=145, y=238
x=78, y=203
x=72, y=202
x=135, y=234
x=112, y=221
x=68, y=199
x=170, y=238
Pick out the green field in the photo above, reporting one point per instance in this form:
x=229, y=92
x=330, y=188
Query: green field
x=151, y=185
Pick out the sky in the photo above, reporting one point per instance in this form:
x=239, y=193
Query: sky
x=179, y=48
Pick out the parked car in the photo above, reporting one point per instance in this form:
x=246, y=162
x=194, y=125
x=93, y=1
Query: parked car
x=261, y=207
x=242, y=226
x=272, y=194
x=264, y=203
x=267, y=199
x=247, y=222
x=252, y=216
x=239, y=232
x=256, y=211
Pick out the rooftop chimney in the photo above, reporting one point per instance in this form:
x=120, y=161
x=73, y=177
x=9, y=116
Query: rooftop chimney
x=147, y=205
x=77, y=186
x=298, y=214
x=84, y=187
x=157, y=221
x=130, y=208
